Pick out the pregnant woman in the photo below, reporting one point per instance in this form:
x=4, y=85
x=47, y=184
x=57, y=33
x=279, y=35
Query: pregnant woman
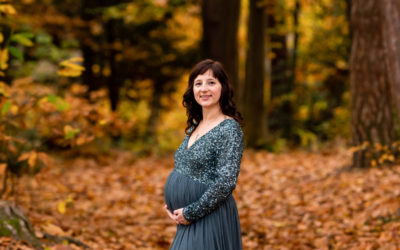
x=198, y=192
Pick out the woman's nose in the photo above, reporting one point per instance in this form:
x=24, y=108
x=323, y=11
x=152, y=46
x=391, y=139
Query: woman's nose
x=204, y=87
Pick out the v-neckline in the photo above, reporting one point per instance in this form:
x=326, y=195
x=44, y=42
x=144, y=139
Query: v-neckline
x=188, y=137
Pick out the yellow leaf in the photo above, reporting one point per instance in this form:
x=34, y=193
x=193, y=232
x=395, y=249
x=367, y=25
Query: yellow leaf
x=3, y=59
x=61, y=207
x=1, y=37
x=7, y=9
x=67, y=128
x=67, y=72
x=76, y=59
x=4, y=88
x=14, y=109
x=72, y=65
x=102, y=122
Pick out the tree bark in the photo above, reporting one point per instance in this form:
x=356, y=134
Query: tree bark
x=155, y=105
x=114, y=81
x=220, y=35
x=87, y=50
x=371, y=114
x=14, y=223
x=391, y=37
x=280, y=116
x=296, y=42
x=254, y=110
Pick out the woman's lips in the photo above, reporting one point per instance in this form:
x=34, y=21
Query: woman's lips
x=205, y=96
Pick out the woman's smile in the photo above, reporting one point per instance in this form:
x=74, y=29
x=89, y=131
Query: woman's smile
x=207, y=90
x=205, y=97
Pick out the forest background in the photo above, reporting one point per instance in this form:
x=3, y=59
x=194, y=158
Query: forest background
x=91, y=113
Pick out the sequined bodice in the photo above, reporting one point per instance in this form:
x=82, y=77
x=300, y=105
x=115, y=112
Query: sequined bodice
x=214, y=160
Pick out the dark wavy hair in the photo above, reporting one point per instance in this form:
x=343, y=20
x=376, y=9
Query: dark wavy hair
x=193, y=109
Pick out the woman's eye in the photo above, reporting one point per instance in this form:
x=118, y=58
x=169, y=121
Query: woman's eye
x=197, y=84
x=211, y=82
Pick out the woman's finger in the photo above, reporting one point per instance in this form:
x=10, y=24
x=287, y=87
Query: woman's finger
x=169, y=213
x=172, y=216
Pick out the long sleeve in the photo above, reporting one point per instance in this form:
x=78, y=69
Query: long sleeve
x=229, y=156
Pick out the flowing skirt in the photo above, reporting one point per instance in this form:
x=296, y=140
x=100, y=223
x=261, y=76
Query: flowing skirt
x=218, y=230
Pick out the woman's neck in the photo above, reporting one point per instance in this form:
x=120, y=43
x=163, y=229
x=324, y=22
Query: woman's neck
x=211, y=114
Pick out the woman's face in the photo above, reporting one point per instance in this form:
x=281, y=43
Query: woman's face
x=207, y=90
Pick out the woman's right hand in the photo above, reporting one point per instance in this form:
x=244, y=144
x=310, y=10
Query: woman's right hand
x=171, y=215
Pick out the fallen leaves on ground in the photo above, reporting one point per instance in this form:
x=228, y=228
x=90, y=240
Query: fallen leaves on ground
x=292, y=200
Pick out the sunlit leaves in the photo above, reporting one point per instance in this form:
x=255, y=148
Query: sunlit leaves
x=70, y=68
x=70, y=132
x=7, y=9
x=376, y=153
x=23, y=39
x=3, y=59
x=34, y=160
x=62, y=205
x=60, y=103
x=6, y=107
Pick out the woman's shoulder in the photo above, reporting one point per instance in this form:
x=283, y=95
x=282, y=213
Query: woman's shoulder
x=230, y=127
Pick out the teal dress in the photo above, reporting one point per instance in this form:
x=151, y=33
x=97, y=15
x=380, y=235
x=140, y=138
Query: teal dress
x=201, y=183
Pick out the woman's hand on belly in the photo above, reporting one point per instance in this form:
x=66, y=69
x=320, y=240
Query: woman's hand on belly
x=172, y=216
x=179, y=217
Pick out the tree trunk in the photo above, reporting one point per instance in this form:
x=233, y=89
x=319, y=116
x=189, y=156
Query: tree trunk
x=220, y=35
x=155, y=105
x=391, y=37
x=280, y=117
x=277, y=40
x=296, y=42
x=114, y=80
x=14, y=223
x=254, y=110
x=86, y=47
x=371, y=113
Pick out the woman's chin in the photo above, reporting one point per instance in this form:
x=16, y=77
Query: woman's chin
x=208, y=105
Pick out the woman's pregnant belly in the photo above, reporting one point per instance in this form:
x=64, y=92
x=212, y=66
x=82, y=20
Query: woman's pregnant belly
x=181, y=190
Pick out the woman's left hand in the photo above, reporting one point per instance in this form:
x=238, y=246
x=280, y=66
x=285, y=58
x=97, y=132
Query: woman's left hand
x=179, y=217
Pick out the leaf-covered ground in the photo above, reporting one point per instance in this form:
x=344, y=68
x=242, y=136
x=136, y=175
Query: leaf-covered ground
x=292, y=200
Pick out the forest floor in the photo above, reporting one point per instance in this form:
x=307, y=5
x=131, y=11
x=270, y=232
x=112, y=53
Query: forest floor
x=291, y=200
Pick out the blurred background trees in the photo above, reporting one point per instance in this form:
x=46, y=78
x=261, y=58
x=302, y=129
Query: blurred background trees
x=288, y=60
x=85, y=77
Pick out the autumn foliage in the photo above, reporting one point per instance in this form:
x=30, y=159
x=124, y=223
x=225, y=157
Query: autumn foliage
x=90, y=115
x=293, y=200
